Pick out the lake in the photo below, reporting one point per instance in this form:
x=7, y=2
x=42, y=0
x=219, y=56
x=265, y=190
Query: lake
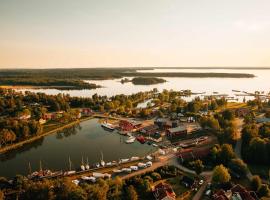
x=87, y=140
x=208, y=85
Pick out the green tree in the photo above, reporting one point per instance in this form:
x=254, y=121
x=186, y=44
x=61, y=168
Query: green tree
x=256, y=183
x=238, y=166
x=264, y=191
x=221, y=175
x=198, y=166
x=226, y=154
x=131, y=193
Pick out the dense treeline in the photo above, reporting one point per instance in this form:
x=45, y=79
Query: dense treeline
x=106, y=73
x=67, y=84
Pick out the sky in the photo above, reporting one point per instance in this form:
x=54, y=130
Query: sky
x=134, y=33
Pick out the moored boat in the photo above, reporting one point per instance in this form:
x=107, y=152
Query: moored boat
x=130, y=140
x=107, y=126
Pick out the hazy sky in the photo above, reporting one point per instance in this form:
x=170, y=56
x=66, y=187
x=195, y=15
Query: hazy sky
x=119, y=33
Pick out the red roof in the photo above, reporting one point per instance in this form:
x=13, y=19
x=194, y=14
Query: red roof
x=162, y=191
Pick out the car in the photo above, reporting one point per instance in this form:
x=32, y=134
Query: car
x=201, y=182
x=208, y=192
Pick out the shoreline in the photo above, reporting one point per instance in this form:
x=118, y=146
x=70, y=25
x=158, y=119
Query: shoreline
x=6, y=149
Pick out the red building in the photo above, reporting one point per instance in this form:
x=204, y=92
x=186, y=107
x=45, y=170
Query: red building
x=164, y=191
x=126, y=125
x=180, y=131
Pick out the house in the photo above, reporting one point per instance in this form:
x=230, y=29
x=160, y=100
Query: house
x=163, y=191
x=149, y=130
x=221, y=195
x=163, y=123
x=86, y=111
x=187, y=181
x=127, y=125
x=180, y=131
x=195, y=153
x=156, y=137
x=239, y=190
x=242, y=112
x=48, y=116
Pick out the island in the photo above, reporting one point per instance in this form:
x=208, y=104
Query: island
x=147, y=80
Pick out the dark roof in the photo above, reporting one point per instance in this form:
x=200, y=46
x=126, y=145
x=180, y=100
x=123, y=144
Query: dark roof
x=163, y=190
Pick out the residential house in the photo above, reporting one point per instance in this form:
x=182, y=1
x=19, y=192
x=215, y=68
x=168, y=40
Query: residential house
x=192, y=154
x=86, y=112
x=127, y=125
x=163, y=191
x=242, y=112
x=180, y=131
x=149, y=130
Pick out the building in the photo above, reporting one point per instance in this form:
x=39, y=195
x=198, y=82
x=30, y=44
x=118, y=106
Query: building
x=156, y=137
x=180, y=131
x=24, y=117
x=126, y=125
x=192, y=154
x=237, y=192
x=242, y=112
x=149, y=130
x=163, y=191
x=163, y=123
x=86, y=112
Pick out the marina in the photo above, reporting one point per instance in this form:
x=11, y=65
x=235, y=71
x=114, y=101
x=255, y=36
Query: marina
x=87, y=141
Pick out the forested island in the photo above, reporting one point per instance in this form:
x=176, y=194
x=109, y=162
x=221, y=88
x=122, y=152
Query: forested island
x=147, y=80
x=60, y=84
x=143, y=80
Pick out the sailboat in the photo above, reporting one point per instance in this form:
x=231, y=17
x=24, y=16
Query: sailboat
x=82, y=165
x=102, y=163
x=87, y=164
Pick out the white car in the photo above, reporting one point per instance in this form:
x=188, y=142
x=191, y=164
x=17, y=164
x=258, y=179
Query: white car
x=201, y=182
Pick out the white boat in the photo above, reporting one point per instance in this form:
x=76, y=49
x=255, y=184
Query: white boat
x=107, y=126
x=69, y=172
x=149, y=158
x=87, y=165
x=134, y=168
x=142, y=165
x=128, y=170
x=98, y=175
x=109, y=164
x=129, y=134
x=155, y=145
x=149, y=164
x=97, y=165
x=130, y=140
x=102, y=163
x=123, y=160
x=117, y=171
x=82, y=165
x=134, y=158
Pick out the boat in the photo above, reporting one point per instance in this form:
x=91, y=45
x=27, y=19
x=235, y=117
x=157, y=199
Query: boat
x=98, y=175
x=149, y=158
x=141, y=139
x=134, y=158
x=155, y=145
x=97, y=165
x=102, y=163
x=82, y=165
x=128, y=170
x=134, y=168
x=107, y=126
x=117, y=171
x=87, y=167
x=142, y=165
x=129, y=134
x=236, y=90
x=130, y=140
x=124, y=160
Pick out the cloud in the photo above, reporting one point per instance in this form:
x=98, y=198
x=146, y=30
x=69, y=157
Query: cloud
x=252, y=26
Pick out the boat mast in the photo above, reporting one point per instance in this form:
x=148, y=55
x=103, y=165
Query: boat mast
x=69, y=163
x=40, y=166
x=29, y=168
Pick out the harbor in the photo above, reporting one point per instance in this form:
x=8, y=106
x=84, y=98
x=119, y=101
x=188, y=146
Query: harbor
x=86, y=140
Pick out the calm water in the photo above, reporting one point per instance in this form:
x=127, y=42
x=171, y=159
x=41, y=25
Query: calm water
x=87, y=140
x=208, y=85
